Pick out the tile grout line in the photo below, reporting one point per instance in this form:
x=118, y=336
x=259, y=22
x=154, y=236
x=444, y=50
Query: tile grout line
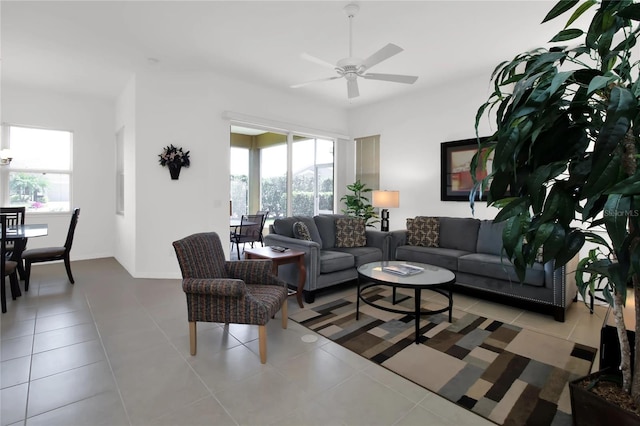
x=106, y=356
x=211, y=392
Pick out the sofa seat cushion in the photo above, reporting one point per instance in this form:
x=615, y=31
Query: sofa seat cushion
x=489, y=265
x=333, y=260
x=362, y=255
x=438, y=256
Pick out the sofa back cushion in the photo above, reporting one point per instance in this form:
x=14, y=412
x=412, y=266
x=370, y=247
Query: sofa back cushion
x=326, y=224
x=350, y=232
x=459, y=233
x=284, y=227
x=423, y=231
x=490, y=237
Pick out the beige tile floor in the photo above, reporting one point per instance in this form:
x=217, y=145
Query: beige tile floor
x=114, y=350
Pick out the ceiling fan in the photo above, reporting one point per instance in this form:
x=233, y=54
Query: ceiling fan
x=352, y=67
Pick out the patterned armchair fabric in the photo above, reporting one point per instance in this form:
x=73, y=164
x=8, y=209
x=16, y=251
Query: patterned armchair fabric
x=217, y=290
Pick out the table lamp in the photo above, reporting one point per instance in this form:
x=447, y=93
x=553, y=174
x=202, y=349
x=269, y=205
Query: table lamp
x=385, y=199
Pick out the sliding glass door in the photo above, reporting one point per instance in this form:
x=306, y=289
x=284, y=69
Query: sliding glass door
x=312, y=172
x=286, y=174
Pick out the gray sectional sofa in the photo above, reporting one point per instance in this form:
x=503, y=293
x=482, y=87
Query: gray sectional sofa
x=472, y=249
x=326, y=264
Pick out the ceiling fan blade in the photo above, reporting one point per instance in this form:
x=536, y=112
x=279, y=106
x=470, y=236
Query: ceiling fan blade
x=385, y=53
x=352, y=88
x=318, y=61
x=295, y=86
x=396, y=78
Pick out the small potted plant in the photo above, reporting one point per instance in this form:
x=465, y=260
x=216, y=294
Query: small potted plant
x=174, y=158
x=358, y=205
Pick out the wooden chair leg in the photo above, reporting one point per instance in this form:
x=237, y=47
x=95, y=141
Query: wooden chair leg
x=3, y=295
x=283, y=310
x=262, y=340
x=15, y=285
x=67, y=265
x=193, y=337
x=27, y=274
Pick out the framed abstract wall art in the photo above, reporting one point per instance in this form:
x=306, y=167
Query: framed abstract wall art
x=456, y=181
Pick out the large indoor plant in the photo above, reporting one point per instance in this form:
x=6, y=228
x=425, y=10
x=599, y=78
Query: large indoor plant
x=565, y=155
x=358, y=204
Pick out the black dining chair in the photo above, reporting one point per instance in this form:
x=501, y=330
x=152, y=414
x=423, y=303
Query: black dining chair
x=7, y=267
x=264, y=214
x=247, y=232
x=15, y=216
x=49, y=254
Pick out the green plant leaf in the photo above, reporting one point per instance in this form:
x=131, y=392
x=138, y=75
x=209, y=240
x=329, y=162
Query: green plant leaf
x=554, y=242
x=513, y=207
x=565, y=35
x=631, y=12
x=559, y=79
x=512, y=235
x=628, y=186
x=573, y=244
x=579, y=11
x=615, y=218
x=600, y=81
x=561, y=7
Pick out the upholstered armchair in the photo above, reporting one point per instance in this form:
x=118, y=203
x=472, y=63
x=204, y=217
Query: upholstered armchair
x=217, y=290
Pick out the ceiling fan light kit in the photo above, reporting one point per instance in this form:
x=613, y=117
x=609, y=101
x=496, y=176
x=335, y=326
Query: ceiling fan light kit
x=352, y=67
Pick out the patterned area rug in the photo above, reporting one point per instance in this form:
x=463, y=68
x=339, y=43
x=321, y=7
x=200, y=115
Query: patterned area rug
x=507, y=374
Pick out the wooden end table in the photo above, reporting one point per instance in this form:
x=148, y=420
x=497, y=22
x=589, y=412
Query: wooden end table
x=282, y=258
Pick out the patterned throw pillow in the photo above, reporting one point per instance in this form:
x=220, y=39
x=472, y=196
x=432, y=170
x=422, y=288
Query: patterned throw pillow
x=350, y=232
x=423, y=231
x=301, y=231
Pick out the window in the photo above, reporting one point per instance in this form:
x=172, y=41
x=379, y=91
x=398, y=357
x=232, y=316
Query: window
x=39, y=176
x=368, y=161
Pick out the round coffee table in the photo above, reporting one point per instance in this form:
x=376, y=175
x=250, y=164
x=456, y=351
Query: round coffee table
x=434, y=278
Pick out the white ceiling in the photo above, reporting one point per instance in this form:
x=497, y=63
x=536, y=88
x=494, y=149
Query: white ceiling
x=93, y=47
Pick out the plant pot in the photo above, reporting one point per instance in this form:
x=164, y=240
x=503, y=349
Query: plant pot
x=588, y=408
x=174, y=170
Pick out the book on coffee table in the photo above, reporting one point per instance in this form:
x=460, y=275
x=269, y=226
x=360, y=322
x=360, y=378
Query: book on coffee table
x=403, y=269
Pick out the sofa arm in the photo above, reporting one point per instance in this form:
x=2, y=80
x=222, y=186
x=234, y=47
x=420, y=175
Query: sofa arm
x=562, y=281
x=311, y=251
x=396, y=239
x=379, y=239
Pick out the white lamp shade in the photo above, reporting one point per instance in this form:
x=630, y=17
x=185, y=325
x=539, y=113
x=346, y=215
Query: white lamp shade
x=386, y=199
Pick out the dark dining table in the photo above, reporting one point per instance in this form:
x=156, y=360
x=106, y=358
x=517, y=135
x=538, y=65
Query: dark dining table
x=19, y=234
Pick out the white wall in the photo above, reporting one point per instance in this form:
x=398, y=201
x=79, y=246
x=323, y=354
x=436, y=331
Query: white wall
x=185, y=109
x=411, y=129
x=125, y=224
x=92, y=122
